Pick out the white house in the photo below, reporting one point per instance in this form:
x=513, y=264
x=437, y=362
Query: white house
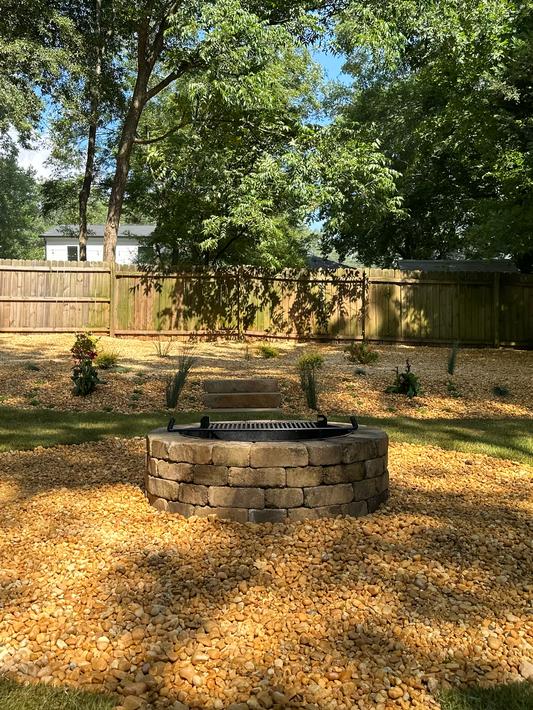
x=61, y=242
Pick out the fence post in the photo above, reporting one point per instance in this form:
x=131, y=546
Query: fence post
x=239, y=333
x=496, y=310
x=363, y=306
x=112, y=299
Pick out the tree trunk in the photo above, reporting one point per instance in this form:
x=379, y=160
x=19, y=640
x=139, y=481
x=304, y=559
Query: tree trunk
x=122, y=168
x=85, y=192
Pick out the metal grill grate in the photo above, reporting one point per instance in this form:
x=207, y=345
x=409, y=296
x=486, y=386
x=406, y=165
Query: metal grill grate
x=265, y=430
x=261, y=426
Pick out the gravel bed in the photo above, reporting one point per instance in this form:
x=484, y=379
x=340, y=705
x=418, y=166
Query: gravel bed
x=101, y=591
x=341, y=389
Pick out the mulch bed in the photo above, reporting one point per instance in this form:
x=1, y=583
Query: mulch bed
x=342, y=390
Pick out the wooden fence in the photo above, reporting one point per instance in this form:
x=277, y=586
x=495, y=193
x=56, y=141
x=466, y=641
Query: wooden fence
x=479, y=309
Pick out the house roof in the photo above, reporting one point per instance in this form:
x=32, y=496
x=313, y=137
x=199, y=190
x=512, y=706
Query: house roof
x=318, y=262
x=97, y=230
x=501, y=265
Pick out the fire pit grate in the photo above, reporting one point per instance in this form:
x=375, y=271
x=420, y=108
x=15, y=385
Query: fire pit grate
x=265, y=430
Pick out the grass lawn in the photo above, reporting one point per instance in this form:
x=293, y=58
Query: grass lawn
x=25, y=429
x=14, y=696
x=514, y=696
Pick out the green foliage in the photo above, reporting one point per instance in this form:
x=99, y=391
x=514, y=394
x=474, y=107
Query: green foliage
x=453, y=357
x=85, y=378
x=443, y=88
x=176, y=381
x=106, y=360
x=20, y=221
x=268, y=351
x=361, y=352
x=500, y=391
x=311, y=361
x=31, y=366
x=406, y=383
x=309, y=385
x=308, y=365
x=452, y=389
x=360, y=371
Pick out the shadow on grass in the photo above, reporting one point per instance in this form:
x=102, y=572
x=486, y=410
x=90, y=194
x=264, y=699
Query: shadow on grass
x=514, y=696
x=25, y=429
x=15, y=696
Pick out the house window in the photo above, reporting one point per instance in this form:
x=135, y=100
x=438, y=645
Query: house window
x=72, y=253
x=144, y=255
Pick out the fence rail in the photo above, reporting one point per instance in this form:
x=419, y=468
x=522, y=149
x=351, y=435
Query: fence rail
x=377, y=304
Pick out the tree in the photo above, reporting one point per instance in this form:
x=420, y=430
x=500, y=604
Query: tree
x=230, y=40
x=215, y=187
x=20, y=221
x=443, y=87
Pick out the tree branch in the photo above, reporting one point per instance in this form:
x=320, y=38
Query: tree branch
x=184, y=67
x=148, y=141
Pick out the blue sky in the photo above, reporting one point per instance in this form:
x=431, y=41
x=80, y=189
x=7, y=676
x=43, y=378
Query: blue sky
x=332, y=64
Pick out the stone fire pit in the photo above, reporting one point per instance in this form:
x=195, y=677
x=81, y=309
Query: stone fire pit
x=268, y=481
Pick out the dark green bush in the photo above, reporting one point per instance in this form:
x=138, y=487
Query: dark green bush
x=406, y=383
x=85, y=378
x=106, y=360
x=267, y=351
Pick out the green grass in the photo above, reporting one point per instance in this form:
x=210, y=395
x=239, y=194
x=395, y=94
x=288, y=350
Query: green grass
x=26, y=429
x=514, y=696
x=14, y=696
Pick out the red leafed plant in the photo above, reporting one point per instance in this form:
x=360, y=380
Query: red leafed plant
x=85, y=376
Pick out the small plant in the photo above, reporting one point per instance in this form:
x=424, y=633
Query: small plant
x=31, y=366
x=50, y=406
x=452, y=389
x=267, y=351
x=120, y=369
x=107, y=409
x=500, y=391
x=176, y=380
x=105, y=361
x=34, y=402
x=309, y=365
x=247, y=355
x=453, y=357
x=359, y=402
x=135, y=397
x=85, y=346
x=163, y=346
x=406, y=383
x=85, y=376
x=40, y=382
x=137, y=391
x=3, y=399
x=361, y=352
x=360, y=371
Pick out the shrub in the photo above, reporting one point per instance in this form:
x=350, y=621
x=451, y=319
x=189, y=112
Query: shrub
x=309, y=365
x=453, y=357
x=176, y=380
x=106, y=360
x=163, y=347
x=500, y=391
x=452, y=389
x=31, y=366
x=360, y=371
x=361, y=352
x=267, y=351
x=85, y=346
x=85, y=378
x=406, y=383
x=311, y=361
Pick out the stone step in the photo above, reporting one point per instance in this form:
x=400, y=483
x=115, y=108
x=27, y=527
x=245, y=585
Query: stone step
x=255, y=400
x=241, y=386
x=244, y=410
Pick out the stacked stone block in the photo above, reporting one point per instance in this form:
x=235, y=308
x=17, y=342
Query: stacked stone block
x=268, y=481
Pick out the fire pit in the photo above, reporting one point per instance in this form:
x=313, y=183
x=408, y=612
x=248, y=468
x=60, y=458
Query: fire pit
x=267, y=471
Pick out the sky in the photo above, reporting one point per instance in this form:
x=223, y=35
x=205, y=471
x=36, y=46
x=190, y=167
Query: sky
x=36, y=158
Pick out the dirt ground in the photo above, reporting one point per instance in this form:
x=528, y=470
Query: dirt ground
x=99, y=590
x=343, y=391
